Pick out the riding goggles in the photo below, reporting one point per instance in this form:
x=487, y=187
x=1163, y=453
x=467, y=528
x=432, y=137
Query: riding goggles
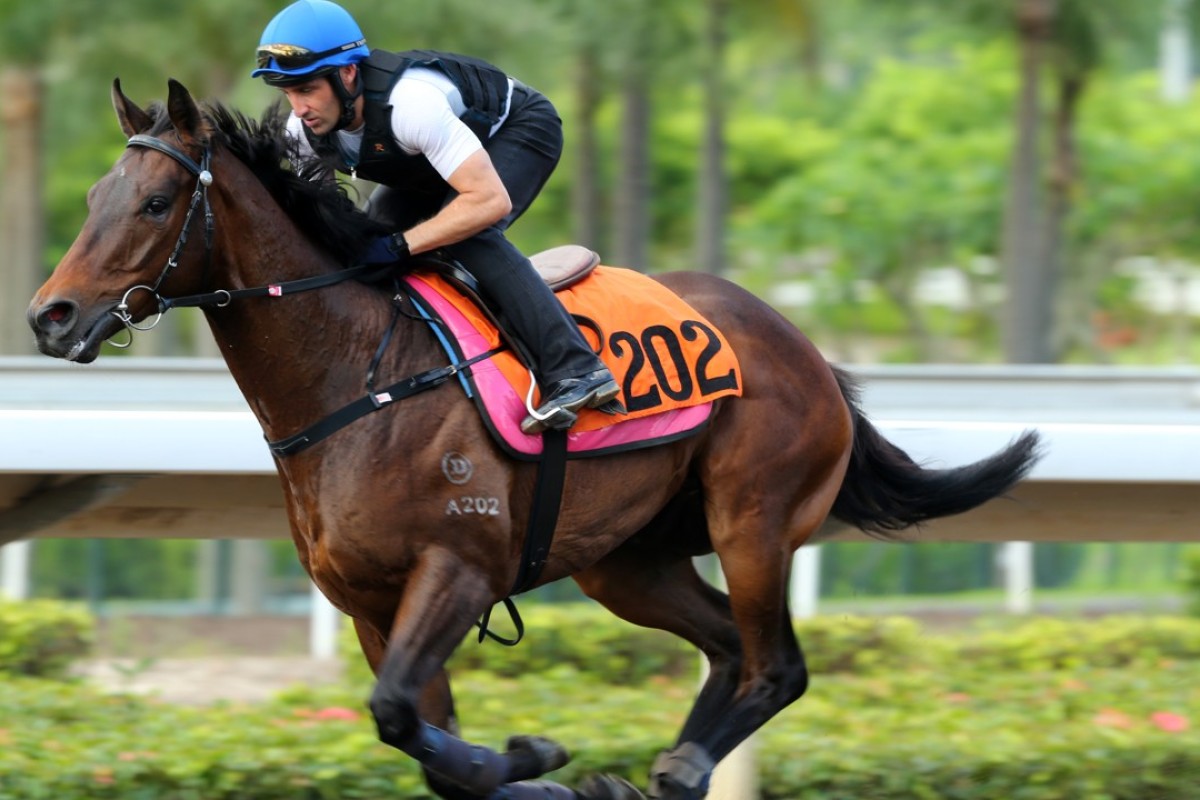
x=294, y=56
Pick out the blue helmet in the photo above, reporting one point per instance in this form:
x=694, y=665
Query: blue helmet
x=307, y=39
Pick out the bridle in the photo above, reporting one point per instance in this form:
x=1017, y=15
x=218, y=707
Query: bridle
x=218, y=298
x=374, y=399
x=204, y=179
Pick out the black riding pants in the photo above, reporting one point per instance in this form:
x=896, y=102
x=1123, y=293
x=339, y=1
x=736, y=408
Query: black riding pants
x=524, y=151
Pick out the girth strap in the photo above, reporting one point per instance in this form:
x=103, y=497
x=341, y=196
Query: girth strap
x=539, y=532
x=543, y=514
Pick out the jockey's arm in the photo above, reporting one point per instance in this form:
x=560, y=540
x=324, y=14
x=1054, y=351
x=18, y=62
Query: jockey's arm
x=481, y=201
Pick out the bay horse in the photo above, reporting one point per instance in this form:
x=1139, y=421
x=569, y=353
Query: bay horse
x=367, y=506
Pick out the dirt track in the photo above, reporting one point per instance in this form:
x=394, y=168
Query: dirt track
x=204, y=659
x=200, y=681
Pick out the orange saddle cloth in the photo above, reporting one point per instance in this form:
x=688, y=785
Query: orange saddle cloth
x=666, y=357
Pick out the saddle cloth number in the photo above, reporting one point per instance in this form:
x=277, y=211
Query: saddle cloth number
x=655, y=365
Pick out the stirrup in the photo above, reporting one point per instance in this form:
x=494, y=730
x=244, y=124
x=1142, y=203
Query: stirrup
x=536, y=422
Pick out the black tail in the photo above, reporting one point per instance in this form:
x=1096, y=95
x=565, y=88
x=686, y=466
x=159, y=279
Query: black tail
x=885, y=490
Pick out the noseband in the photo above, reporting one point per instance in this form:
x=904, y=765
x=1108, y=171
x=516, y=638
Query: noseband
x=204, y=179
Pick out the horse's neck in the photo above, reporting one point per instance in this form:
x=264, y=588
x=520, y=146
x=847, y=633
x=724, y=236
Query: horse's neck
x=300, y=356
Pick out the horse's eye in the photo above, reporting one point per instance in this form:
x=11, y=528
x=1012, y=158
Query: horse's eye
x=157, y=206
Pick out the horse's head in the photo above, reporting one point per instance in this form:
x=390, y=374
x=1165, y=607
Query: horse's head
x=136, y=237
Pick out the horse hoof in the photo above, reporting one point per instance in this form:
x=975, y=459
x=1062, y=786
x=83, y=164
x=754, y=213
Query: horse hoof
x=534, y=756
x=608, y=787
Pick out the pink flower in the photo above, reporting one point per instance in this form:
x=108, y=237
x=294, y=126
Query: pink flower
x=337, y=712
x=958, y=697
x=1111, y=718
x=1171, y=723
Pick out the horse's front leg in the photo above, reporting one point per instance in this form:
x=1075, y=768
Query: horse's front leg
x=436, y=703
x=442, y=600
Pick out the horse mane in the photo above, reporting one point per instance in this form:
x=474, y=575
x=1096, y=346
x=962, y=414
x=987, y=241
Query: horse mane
x=318, y=204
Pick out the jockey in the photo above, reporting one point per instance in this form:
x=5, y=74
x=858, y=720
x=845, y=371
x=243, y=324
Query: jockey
x=459, y=150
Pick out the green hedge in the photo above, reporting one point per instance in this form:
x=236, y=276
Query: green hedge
x=1051, y=643
x=42, y=637
x=1096, y=734
x=1191, y=582
x=1030, y=710
x=587, y=638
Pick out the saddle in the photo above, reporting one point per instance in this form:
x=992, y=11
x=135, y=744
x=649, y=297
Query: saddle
x=670, y=362
x=560, y=267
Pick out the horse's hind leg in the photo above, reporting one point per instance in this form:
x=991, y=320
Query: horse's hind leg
x=757, y=667
x=662, y=590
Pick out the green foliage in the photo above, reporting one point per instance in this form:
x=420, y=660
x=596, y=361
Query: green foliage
x=868, y=645
x=1057, y=644
x=960, y=727
x=130, y=568
x=866, y=141
x=938, y=131
x=1191, y=582
x=584, y=638
x=563, y=636
x=851, y=569
x=42, y=638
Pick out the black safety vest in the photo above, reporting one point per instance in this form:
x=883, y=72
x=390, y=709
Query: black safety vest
x=484, y=91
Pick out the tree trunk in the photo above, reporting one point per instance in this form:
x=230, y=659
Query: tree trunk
x=585, y=188
x=632, y=214
x=713, y=200
x=1064, y=176
x=1029, y=304
x=22, y=226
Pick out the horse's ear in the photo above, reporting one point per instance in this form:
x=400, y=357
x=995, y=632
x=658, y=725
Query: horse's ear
x=185, y=114
x=132, y=118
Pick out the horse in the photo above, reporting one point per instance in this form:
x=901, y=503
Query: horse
x=367, y=505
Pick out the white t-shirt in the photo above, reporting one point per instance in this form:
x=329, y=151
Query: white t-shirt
x=426, y=106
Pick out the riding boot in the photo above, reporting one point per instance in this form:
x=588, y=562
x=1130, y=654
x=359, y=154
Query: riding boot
x=571, y=375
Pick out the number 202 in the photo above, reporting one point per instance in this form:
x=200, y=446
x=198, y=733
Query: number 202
x=645, y=350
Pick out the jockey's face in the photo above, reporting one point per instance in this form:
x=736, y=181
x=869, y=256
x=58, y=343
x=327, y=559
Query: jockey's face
x=316, y=104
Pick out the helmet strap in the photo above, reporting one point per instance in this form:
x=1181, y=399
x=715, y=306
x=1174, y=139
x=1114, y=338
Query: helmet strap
x=346, y=97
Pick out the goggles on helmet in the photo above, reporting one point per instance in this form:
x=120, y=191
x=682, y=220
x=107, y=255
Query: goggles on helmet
x=293, y=56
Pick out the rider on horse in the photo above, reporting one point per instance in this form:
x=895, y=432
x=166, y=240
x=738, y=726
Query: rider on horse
x=459, y=150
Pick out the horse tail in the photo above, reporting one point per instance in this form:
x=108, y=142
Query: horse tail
x=885, y=490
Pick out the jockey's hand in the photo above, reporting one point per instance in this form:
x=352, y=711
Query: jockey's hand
x=388, y=249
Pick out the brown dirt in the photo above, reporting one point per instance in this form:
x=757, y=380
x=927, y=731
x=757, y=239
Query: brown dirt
x=198, y=660
x=195, y=636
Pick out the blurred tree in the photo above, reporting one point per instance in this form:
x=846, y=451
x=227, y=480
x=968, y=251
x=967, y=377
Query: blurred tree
x=28, y=31
x=906, y=181
x=585, y=29
x=1065, y=40
x=713, y=198
x=768, y=132
x=631, y=200
x=644, y=46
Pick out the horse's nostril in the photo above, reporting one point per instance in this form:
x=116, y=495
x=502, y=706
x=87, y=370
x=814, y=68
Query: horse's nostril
x=56, y=315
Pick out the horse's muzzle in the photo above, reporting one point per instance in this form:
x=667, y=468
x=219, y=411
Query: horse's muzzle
x=62, y=331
